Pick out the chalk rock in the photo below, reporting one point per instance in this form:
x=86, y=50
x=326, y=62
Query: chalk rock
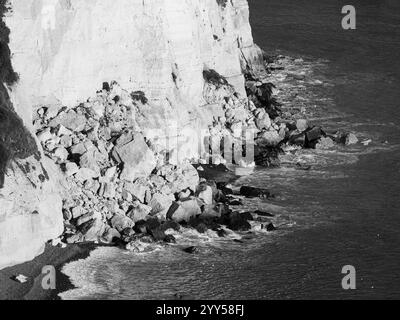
x=121, y=222
x=184, y=211
x=70, y=120
x=206, y=195
x=302, y=125
x=137, y=189
x=139, y=212
x=351, y=138
x=139, y=161
x=160, y=204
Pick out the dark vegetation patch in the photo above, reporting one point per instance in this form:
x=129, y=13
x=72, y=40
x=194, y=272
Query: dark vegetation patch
x=213, y=77
x=15, y=140
x=222, y=3
x=139, y=96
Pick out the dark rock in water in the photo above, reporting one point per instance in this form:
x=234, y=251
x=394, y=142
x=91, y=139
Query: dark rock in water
x=201, y=228
x=236, y=222
x=144, y=226
x=127, y=235
x=252, y=192
x=169, y=239
x=313, y=135
x=220, y=196
x=267, y=156
x=191, y=250
x=264, y=213
x=247, y=216
x=238, y=241
x=270, y=227
x=297, y=139
x=300, y=166
x=157, y=234
x=235, y=202
x=221, y=233
x=202, y=223
x=146, y=239
x=170, y=225
x=222, y=186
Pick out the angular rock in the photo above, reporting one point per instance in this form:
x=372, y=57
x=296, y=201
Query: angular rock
x=137, y=189
x=139, y=212
x=121, y=222
x=325, y=143
x=206, y=195
x=77, y=212
x=110, y=235
x=350, y=139
x=139, y=161
x=160, y=203
x=184, y=211
x=237, y=222
x=70, y=120
x=85, y=174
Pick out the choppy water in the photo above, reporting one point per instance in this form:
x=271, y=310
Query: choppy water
x=345, y=211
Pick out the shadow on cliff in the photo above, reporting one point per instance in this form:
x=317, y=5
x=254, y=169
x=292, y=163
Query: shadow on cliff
x=15, y=140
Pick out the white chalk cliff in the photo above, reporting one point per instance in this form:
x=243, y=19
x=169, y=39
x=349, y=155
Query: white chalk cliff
x=63, y=50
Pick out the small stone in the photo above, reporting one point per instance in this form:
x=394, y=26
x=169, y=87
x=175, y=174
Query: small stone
x=351, y=138
x=71, y=168
x=302, y=125
x=61, y=153
x=20, y=278
x=78, y=148
x=325, y=143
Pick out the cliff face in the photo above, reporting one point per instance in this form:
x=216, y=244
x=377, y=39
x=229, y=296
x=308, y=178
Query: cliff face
x=63, y=50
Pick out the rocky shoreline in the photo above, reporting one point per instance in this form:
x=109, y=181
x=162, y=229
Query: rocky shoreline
x=120, y=188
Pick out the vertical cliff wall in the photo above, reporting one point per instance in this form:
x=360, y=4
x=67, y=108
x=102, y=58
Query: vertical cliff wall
x=63, y=50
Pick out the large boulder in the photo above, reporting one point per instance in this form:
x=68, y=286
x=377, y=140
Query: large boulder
x=139, y=161
x=160, y=204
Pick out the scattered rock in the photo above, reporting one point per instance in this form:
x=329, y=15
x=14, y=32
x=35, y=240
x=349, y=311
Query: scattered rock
x=263, y=213
x=121, y=222
x=20, y=278
x=302, y=125
x=270, y=227
x=351, y=138
x=191, y=250
x=252, y=192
